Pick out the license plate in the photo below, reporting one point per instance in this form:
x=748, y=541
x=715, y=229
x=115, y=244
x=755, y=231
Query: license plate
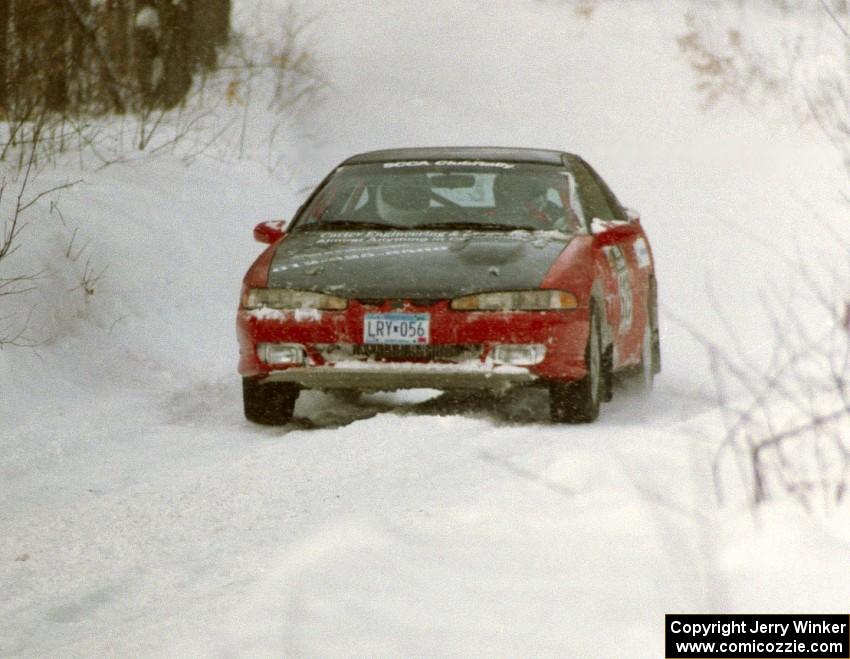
x=397, y=328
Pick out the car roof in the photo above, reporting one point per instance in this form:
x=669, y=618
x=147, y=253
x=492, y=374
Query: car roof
x=503, y=154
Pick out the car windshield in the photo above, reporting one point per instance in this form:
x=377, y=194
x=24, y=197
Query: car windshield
x=482, y=195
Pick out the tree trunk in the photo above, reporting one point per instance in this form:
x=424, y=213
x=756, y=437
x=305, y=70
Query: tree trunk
x=210, y=29
x=176, y=62
x=55, y=34
x=4, y=52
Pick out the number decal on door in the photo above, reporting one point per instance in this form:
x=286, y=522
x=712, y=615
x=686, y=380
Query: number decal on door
x=617, y=259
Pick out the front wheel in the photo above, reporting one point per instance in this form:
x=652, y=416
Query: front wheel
x=346, y=396
x=578, y=402
x=268, y=403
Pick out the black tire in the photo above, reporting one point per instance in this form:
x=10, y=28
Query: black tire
x=653, y=321
x=578, y=402
x=640, y=378
x=268, y=403
x=608, y=372
x=346, y=396
x=646, y=369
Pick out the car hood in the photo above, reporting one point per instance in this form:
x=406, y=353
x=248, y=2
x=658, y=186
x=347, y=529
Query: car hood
x=414, y=264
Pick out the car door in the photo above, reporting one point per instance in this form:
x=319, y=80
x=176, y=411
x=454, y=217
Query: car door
x=641, y=268
x=617, y=241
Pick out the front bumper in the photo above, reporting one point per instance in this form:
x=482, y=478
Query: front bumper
x=382, y=376
x=563, y=333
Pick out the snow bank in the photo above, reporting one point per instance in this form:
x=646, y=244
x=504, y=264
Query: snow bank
x=169, y=244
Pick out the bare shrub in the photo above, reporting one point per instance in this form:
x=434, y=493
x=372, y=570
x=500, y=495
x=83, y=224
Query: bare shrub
x=582, y=9
x=89, y=276
x=14, y=324
x=273, y=72
x=786, y=423
x=787, y=420
x=241, y=107
x=794, y=51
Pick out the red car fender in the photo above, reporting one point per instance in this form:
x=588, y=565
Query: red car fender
x=583, y=270
x=573, y=270
x=258, y=274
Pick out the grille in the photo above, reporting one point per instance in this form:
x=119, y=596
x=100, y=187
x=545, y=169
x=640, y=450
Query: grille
x=431, y=351
x=428, y=351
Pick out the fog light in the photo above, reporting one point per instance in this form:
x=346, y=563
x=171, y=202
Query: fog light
x=280, y=353
x=519, y=355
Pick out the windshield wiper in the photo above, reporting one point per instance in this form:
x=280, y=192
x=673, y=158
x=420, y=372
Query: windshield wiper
x=349, y=224
x=485, y=226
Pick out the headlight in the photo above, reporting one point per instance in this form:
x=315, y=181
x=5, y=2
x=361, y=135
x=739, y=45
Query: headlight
x=283, y=298
x=516, y=301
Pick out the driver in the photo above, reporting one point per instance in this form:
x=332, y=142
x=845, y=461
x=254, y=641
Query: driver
x=403, y=196
x=524, y=196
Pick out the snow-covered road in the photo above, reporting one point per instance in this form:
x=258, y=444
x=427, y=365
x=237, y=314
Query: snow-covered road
x=141, y=515
x=391, y=526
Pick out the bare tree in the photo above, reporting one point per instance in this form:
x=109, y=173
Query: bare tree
x=77, y=57
x=12, y=328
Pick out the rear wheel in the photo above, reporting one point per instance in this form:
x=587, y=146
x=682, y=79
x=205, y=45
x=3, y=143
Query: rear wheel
x=641, y=377
x=578, y=402
x=646, y=373
x=268, y=403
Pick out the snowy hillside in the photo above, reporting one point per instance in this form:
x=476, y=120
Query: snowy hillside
x=141, y=515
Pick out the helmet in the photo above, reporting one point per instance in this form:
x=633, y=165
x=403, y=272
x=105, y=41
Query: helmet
x=517, y=192
x=407, y=192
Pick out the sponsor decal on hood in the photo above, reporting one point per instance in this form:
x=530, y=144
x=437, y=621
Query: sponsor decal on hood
x=414, y=264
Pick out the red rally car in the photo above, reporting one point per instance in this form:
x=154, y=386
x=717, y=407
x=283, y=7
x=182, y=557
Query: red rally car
x=451, y=268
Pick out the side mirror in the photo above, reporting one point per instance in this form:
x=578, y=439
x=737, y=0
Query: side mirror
x=632, y=215
x=610, y=232
x=269, y=232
